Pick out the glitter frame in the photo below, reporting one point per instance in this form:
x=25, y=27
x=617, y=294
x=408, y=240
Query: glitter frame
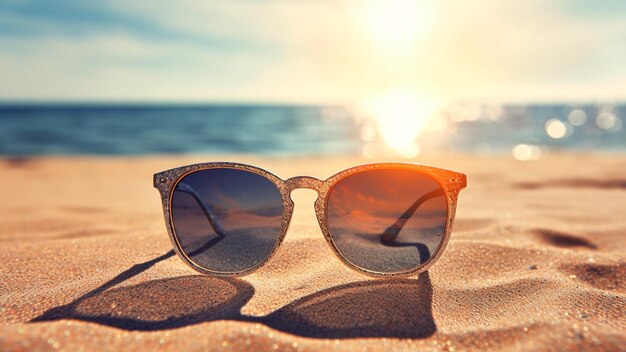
x=451, y=182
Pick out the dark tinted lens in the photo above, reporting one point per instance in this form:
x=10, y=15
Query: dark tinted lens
x=387, y=220
x=227, y=220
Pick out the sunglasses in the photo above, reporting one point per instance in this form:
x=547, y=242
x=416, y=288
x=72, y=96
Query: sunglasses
x=388, y=219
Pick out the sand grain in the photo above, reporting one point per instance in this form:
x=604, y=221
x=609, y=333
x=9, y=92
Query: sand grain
x=536, y=262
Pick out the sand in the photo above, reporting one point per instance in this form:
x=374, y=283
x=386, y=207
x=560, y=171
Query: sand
x=537, y=261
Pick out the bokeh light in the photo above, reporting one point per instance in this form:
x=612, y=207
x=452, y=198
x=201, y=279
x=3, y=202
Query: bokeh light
x=558, y=129
x=525, y=152
x=608, y=121
x=577, y=117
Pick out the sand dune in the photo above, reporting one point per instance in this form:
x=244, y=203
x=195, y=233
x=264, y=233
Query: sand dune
x=536, y=262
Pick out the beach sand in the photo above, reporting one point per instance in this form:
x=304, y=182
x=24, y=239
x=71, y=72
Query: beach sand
x=537, y=261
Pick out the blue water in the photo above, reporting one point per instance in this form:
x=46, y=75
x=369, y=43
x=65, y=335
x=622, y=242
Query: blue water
x=90, y=129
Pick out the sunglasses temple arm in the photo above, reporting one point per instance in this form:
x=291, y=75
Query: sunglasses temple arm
x=215, y=224
x=392, y=231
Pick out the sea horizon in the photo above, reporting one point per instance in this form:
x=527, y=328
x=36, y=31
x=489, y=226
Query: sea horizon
x=37, y=128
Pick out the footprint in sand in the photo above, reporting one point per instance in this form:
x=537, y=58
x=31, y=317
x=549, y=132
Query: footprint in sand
x=605, y=277
x=563, y=240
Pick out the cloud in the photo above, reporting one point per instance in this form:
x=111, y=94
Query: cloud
x=319, y=51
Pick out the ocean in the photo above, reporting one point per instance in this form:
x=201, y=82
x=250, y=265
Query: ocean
x=143, y=129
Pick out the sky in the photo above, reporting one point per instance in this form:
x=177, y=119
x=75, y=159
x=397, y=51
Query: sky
x=299, y=51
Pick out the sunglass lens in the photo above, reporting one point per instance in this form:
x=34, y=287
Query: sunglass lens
x=227, y=220
x=387, y=220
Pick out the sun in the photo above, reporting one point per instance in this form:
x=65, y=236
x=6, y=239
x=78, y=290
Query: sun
x=397, y=30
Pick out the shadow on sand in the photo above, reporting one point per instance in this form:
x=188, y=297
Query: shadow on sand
x=380, y=308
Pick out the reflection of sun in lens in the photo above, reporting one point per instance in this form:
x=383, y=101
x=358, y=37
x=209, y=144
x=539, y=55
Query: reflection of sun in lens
x=400, y=116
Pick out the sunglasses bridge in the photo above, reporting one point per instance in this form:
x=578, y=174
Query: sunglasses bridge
x=304, y=182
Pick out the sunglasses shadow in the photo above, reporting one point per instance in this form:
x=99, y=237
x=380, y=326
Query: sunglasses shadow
x=400, y=308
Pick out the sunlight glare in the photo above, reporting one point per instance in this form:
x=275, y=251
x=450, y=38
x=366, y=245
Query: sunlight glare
x=401, y=116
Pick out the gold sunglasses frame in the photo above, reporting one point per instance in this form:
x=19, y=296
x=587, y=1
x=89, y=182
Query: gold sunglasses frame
x=451, y=182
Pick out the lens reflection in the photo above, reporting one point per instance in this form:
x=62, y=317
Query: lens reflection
x=387, y=220
x=227, y=220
